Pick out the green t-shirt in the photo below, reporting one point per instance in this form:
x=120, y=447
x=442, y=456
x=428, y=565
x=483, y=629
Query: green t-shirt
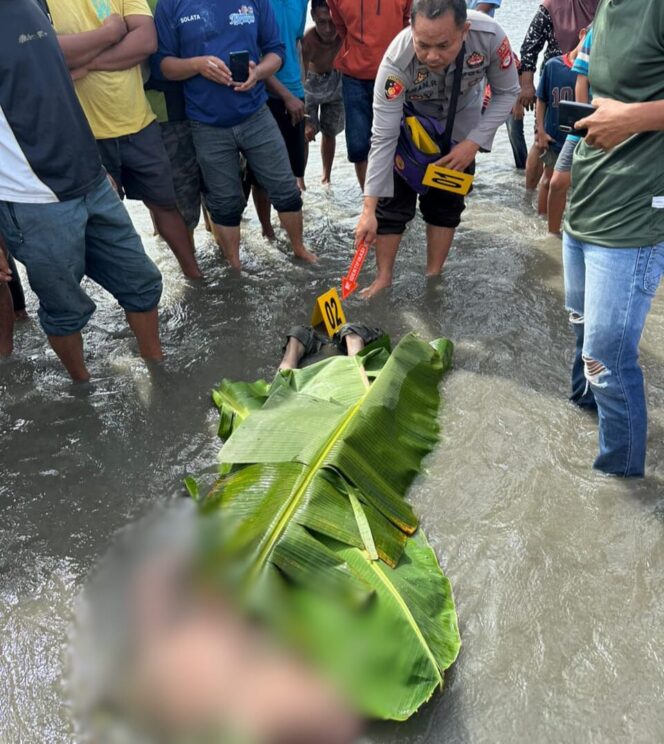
x=617, y=197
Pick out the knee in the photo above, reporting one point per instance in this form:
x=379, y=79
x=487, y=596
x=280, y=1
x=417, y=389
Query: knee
x=226, y=211
x=559, y=183
x=596, y=373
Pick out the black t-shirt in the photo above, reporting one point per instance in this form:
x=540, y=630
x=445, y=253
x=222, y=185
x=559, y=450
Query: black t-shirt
x=47, y=151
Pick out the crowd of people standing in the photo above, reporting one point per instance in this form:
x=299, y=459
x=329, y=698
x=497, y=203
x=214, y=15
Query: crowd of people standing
x=191, y=106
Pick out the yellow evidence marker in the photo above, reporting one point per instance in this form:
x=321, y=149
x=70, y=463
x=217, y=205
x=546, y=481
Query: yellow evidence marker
x=328, y=311
x=448, y=180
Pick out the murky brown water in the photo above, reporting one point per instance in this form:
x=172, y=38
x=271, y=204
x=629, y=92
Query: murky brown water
x=557, y=570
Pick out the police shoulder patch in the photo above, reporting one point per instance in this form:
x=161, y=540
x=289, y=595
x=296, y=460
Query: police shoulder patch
x=504, y=52
x=394, y=87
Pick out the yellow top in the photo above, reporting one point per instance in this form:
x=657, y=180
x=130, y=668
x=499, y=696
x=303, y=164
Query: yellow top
x=114, y=102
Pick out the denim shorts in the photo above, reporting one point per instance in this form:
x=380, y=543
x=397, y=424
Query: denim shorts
x=564, y=162
x=358, y=103
x=218, y=150
x=61, y=242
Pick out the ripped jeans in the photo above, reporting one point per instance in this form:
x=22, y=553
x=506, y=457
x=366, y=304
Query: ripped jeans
x=608, y=292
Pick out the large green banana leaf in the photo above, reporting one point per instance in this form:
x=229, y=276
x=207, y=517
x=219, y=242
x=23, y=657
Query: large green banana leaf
x=313, y=507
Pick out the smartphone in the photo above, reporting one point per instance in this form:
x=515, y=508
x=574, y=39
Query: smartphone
x=569, y=112
x=239, y=66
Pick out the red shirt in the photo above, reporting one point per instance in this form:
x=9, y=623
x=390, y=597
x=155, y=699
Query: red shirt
x=367, y=27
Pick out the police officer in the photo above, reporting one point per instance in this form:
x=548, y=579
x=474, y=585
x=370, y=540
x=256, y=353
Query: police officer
x=418, y=70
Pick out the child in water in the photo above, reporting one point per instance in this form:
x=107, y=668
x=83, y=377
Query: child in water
x=323, y=99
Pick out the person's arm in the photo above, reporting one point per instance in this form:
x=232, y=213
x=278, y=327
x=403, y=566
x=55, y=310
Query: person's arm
x=614, y=122
x=293, y=104
x=542, y=138
x=139, y=43
x=209, y=66
x=539, y=32
x=582, y=89
x=80, y=49
x=338, y=21
x=504, y=81
x=387, y=113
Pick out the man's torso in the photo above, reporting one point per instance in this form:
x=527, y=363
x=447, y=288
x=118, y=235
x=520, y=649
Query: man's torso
x=114, y=102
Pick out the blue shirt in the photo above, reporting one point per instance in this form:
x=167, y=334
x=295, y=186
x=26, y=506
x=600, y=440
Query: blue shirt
x=291, y=17
x=472, y=4
x=194, y=28
x=556, y=85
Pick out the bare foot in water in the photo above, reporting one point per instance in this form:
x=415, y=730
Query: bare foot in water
x=268, y=233
x=304, y=255
x=378, y=285
x=325, y=180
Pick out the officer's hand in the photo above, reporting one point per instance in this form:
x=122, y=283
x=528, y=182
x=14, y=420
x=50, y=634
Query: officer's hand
x=366, y=228
x=610, y=125
x=460, y=156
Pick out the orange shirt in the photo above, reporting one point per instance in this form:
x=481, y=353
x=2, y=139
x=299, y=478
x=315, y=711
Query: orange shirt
x=366, y=27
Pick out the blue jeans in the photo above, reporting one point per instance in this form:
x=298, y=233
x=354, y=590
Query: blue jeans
x=218, y=152
x=358, y=103
x=60, y=242
x=608, y=292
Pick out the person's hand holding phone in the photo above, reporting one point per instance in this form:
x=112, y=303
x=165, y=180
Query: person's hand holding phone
x=214, y=69
x=251, y=80
x=610, y=124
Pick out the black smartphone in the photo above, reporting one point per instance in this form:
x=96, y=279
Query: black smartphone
x=239, y=66
x=569, y=112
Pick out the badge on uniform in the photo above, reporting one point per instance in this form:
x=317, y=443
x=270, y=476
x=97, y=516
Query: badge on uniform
x=393, y=87
x=505, y=54
x=475, y=60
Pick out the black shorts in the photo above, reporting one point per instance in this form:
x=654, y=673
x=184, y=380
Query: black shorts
x=139, y=165
x=293, y=135
x=439, y=208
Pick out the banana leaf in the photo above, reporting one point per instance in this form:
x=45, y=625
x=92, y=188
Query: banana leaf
x=311, y=524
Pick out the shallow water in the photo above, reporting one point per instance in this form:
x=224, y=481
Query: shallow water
x=557, y=570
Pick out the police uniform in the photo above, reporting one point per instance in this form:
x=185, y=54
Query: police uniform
x=401, y=79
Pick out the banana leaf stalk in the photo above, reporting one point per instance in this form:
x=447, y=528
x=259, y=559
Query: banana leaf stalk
x=308, y=520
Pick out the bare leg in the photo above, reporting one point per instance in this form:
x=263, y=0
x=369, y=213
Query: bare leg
x=292, y=224
x=558, y=188
x=70, y=352
x=301, y=184
x=543, y=193
x=228, y=239
x=155, y=232
x=206, y=219
x=439, y=241
x=386, y=253
x=354, y=344
x=6, y=321
x=361, y=173
x=327, y=149
x=294, y=352
x=534, y=167
x=172, y=229
x=146, y=329
x=263, y=207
